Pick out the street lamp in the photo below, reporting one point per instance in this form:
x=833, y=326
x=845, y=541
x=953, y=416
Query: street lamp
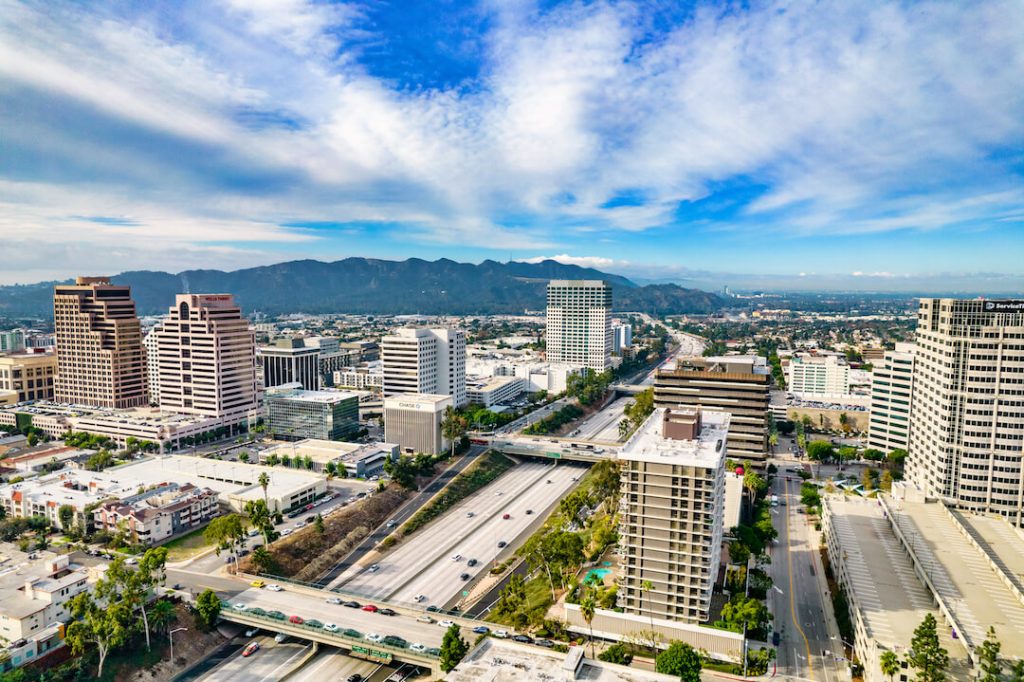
x=170, y=637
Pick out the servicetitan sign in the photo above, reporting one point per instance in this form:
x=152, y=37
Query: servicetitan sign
x=1005, y=306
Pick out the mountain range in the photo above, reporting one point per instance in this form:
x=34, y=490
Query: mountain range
x=366, y=285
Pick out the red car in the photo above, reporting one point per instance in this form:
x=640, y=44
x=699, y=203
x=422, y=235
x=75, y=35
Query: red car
x=370, y=607
x=295, y=619
x=252, y=648
x=506, y=516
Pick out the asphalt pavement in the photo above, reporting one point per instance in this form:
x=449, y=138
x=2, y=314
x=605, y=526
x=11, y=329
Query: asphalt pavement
x=333, y=664
x=269, y=664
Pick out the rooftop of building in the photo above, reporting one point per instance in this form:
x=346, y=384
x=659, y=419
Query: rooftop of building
x=234, y=478
x=965, y=580
x=137, y=416
x=323, y=396
x=415, y=400
x=579, y=283
x=46, y=353
x=323, y=451
x=882, y=580
x=489, y=383
x=1001, y=541
x=738, y=364
x=498, y=660
x=705, y=449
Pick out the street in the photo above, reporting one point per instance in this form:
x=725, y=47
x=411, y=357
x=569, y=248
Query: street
x=268, y=664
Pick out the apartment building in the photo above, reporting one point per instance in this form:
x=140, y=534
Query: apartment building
x=367, y=377
x=428, y=361
x=811, y=376
x=579, y=323
x=296, y=414
x=289, y=361
x=159, y=513
x=737, y=384
x=413, y=421
x=28, y=373
x=206, y=359
x=100, y=357
x=967, y=418
x=671, y=513
x=892, y=389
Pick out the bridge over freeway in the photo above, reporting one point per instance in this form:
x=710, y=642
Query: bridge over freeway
x=628, y=389
x=557, y=448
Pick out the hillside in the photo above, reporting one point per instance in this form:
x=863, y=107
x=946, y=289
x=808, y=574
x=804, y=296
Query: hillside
x=364, y=285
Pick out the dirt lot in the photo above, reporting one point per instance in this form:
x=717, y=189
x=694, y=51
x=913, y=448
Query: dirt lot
x=189, y=647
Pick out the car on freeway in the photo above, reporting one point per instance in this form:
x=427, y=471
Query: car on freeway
x=392, y=523
x=371, y=608
x=472, y=562
x=546, y=643
x=258, y=583
x=456, y=557
x=250, y=649
x=280, y=637
x=470, y=514
x=257, y=611
x=352, y=604
x=354, y=634
x=424, y=619
x=419, y=598
x=276, y=615
x=432, y=609
x=313, y=623
x=355, y=677
x=501, y=543
x=374, y=637
x=333, y=600
x=387, y=612
x=464, y=577
x=296, y=620
x=525, y=639
x=529, y=511
x=275, y=588
x=331, y=627
x=417, y=647
x=239, y=607
x=445, y=623
x=395, y=641
x=433, y=651
x=500, y=634
x=251, y=631
x=373, y=569
x=481, y=630
x=506, y=516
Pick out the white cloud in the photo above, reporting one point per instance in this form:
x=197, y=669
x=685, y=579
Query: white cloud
x=597, y=262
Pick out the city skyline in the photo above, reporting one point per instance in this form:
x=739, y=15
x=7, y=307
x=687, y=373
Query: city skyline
x=873, y=147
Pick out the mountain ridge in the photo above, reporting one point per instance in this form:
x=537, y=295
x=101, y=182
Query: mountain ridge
x=369, y=285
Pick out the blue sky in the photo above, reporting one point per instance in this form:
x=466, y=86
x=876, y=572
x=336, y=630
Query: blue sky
x=846, y=145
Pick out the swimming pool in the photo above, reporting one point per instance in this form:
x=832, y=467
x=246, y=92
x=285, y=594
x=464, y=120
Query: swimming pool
x=596, y=575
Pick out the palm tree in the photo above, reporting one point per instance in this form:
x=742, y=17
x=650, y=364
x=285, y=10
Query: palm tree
x=773, y=440
x=645, y=587
x=264, y=480
x=587, y=609
x=162, y=615
x=890, y=664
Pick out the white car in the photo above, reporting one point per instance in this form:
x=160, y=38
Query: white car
x=331, y=627
x=445, y=623
x=373, y=569
x=332, y=600
x=300, y=524
x=417, y=647
x=500, y=634
x=253, y=532
x=251, y=631
x=374, y=637
x=456, y=557
x=239, y=607
x=275, y=588
x=424, y=619
x=286, y=532
x=280, y=637
x=419, y=598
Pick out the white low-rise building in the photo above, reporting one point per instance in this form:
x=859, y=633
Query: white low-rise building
x=494, y=390
x=359, y=460
x=413, y=420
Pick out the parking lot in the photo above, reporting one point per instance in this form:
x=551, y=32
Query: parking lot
x=423, y=566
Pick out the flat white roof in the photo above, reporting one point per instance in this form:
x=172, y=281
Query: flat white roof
x=326, y=397
x=415, y=400
x=229, y=478
x=707, y=450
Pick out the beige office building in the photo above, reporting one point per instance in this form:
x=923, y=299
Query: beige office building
x=892, y=390
x=206, y=359
x=413, y=421
x=671, y=514
x=737, y=384
x=28, y=374
x=100, y=357
x=966, y=442
x=579, y=323
x=425, y=361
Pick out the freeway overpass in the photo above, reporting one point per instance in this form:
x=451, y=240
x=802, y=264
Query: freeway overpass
x=557, y=448
x=628, y=389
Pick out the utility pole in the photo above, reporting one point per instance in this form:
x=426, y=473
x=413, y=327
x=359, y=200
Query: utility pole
x=170, y=637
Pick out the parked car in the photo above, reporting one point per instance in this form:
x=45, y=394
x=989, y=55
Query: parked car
x=253, y=532
x=300, y=524
x=500, y=634
x=481, y=630
x=525, y=639
x=311, y=518
x=546, y=643
x=250, y=649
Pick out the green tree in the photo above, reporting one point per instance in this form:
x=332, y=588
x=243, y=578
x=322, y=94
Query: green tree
x=243, y=457
x=821, y=451
x=754, y=484
x=873, y=455
x=867, y=479
x=746, y=612
x=453, y=648
x=927, y=656
x=886, y=483
x=162, y=614
x=207, y=609
x=66, y=514
x=263, y=560
x=897, y=456
x=617, y=653
x=453, y=426
x=318, y=523
x=1017, y=671
x=332, y=469
x=225, y=532
x=680, y=659
x=890, y=664
x=261, y=519
x=645, y=588
x=588, y=609
x=988, y=657
x=104, y=628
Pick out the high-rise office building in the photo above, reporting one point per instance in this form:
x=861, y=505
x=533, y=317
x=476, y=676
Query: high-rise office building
x=152, y=366
x=100, y=357
x=622, y=337
x=892, y=389
x=579, y=323
x=814, y=375
x=967, y=417
x=289, y=361
x=12, y=341
x=737, y=384
x=297, y=414
x=206, y=359
x=429, y=361
x=671, y=515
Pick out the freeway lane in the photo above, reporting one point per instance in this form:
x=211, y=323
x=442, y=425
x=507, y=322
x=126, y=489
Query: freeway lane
x=268, y=664
x=603, y=425
x=333, y=577
x=333, y=664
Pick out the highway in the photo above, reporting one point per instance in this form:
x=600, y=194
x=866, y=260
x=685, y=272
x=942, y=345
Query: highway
x=333, y=664
x=268, y=664
x=332, y=577
x=535, y=416
x=422, y=564
x=603, y=425
x=799, y=600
